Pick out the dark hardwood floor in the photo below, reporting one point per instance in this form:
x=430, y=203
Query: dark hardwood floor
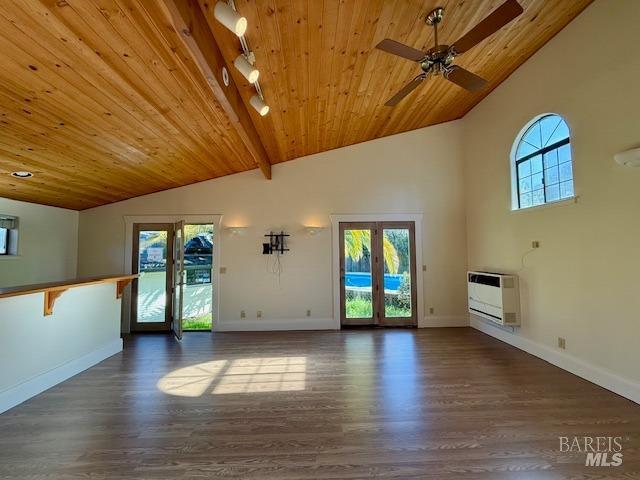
x=404, y=404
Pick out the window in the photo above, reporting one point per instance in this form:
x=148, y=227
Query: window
x=8, y=235
x=4, y=241
x=543, y=170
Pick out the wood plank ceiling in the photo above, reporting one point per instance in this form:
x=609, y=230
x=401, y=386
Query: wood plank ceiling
x=102, y=99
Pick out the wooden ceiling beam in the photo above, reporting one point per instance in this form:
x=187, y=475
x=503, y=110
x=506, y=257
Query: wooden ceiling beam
x=189, y=21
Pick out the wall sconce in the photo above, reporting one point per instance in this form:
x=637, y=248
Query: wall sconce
x=313, y=230
x=235, y=230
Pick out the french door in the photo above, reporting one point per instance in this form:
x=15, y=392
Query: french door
x=178, y=279
x=157, y=293
x=378, y=274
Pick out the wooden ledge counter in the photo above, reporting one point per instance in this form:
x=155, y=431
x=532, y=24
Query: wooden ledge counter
x=53, y=290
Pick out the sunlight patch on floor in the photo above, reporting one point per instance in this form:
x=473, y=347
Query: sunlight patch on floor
x=191, y=381
x=244, y=375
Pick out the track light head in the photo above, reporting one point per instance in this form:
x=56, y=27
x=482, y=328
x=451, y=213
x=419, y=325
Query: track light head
x=257, y=103
x=247, y=70
x=231, y=19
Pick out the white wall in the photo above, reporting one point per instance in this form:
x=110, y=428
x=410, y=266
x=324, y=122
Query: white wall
x=415, y=172
x=37, y=352
x=582, y=284
x=47, y=243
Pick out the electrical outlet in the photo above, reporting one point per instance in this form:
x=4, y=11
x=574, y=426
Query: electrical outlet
x=562, y=343
x=424, y=268
x=223, y=269
x=431, y=310
x=308, y=313
x=535, y=244
x=259, y=314
x=243, y=314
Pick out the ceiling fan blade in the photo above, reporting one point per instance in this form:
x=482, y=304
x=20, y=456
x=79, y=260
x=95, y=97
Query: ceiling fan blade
x=400, y=49
x=406, y=90
x=465, y=79
x=491, y=24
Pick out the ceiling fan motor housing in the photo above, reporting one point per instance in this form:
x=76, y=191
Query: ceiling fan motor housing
x=438, y=59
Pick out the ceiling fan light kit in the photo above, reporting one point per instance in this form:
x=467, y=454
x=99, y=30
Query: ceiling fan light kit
x=439, y=60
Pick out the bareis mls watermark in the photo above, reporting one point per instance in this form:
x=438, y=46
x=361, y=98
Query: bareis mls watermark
x=599, y=451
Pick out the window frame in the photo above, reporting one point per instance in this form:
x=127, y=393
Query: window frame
x=516, y=162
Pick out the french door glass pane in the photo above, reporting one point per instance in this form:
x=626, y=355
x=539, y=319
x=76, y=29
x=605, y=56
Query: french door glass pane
x=397, y=272
x=152, y=282
x=198, y=264
x=357, y=274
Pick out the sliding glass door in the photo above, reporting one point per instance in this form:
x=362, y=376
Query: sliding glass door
x=377, y=274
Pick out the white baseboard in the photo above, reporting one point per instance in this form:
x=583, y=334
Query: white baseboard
x=268, y=325
x=32, y=387
x=444, y=321
x=600, y=376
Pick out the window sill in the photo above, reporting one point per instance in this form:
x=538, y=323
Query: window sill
x=559, y=203
x=10, y=257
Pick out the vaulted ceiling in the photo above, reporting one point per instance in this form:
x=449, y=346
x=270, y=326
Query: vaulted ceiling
x=105, y=100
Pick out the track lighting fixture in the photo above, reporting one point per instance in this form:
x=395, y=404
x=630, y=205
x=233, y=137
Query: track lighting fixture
x=247, y=70
x=257, y=103
x=226, y=14
x=231, y=19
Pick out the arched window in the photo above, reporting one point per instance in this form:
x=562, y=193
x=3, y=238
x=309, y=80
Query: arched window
x=542, y=166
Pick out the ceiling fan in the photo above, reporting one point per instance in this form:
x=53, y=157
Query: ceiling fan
x=439, y=59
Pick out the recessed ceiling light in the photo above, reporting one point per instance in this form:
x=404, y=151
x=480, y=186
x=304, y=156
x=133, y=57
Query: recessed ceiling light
x=22, y=174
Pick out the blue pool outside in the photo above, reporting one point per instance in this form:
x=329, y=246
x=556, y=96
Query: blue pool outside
x=363, y=279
